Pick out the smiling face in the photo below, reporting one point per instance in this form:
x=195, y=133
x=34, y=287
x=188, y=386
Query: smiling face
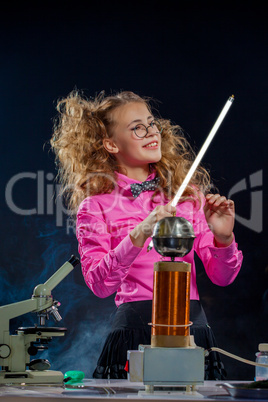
x=131, y=151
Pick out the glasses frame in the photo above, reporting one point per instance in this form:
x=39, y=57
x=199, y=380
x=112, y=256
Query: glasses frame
x=147, y=128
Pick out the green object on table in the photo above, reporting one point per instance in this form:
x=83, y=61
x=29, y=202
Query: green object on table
x=73, y=376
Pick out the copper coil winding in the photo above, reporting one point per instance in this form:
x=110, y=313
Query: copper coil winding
x=171, y=304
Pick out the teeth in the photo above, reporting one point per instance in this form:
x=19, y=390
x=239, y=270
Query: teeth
x=153, y=144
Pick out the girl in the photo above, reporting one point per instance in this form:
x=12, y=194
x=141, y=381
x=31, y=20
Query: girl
x=120, y=166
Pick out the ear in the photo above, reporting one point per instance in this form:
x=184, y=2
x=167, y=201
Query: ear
x=110, y=146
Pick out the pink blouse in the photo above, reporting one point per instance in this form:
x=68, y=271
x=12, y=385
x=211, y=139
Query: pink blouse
x=111, y=263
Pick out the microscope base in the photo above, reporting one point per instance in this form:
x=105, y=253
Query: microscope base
x=31, y=377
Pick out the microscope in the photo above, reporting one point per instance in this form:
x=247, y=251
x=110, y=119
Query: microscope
x=16, y=350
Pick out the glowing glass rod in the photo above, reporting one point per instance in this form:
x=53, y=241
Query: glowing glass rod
x=200, y=155
x=202, y=151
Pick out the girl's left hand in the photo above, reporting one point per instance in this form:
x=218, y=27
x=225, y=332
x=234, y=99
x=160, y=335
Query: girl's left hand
x=220, y=214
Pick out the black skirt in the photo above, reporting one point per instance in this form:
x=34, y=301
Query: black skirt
x=130, y=329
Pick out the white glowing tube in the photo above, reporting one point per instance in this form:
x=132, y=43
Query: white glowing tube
x=202, y=151
x=200, y=154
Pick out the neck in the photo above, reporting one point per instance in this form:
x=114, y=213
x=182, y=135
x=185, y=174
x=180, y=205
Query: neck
x=137, y=173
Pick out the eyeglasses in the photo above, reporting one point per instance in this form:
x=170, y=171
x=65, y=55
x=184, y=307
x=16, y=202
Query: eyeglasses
x=141, y=130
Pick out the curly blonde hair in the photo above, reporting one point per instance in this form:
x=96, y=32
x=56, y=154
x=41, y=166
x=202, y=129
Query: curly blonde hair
x=85, y=167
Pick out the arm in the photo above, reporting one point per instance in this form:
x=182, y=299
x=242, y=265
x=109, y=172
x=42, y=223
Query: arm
x=103, y=268
x=222, y=264
x=215, y=242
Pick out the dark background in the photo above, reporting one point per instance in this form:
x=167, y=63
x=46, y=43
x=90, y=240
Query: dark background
x=189, y=55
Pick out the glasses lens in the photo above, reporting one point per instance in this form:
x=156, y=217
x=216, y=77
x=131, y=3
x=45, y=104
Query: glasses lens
x=140, y=130
x=156, y=124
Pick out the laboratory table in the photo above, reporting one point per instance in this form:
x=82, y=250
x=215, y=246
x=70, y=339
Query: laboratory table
x=116, y=390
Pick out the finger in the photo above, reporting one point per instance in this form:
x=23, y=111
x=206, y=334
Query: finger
x=219, y=201
x=229, y=204
x=208, y=196
x=169, y=208
x=170, y=203
x=216, y=200
x=211, y=198
x=206, y=207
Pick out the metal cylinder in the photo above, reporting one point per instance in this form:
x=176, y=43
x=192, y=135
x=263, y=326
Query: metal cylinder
x=171, y=305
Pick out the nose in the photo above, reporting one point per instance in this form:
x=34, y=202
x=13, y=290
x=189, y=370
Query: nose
x=151, y=130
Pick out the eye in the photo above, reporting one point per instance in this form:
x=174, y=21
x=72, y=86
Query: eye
x=155, y=124
x=139, y=127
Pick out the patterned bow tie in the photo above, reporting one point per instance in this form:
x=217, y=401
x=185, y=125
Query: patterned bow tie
x=137, y=188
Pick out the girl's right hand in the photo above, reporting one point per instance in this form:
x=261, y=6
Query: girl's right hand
x=143, y=230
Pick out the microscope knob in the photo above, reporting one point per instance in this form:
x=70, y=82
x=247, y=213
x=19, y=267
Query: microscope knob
x=4, y=351
x=32, y=350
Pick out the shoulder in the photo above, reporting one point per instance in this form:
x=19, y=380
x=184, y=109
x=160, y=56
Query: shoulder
x=93, y=204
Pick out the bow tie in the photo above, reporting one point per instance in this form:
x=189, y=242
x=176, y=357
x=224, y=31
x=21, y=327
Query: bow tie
x=137, y=188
